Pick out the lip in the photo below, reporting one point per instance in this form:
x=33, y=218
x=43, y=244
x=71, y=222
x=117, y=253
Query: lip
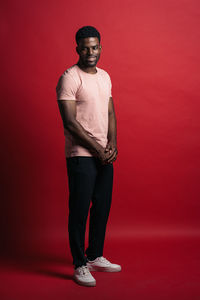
x=91, y=58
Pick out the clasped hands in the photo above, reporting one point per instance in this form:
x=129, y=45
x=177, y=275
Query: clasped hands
x=109, y=154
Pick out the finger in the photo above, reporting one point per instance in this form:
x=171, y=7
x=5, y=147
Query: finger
x=111, y=160
x=108, y=147
x=112, y=157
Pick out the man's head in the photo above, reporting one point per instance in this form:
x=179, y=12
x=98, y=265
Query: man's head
x=87, y=31
x=88, y=46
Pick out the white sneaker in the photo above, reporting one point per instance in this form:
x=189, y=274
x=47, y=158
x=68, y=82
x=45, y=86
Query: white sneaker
x=102, y=264
x=83, y=276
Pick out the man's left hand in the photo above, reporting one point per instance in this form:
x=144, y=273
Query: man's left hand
x=112, y=148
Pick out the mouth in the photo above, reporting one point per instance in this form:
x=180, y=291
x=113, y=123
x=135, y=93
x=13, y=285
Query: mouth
x=91, y=58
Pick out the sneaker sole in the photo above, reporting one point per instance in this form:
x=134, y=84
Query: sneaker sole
x=88, y=284
x=103, y=269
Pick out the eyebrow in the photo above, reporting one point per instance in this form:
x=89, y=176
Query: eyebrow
x=90, y=46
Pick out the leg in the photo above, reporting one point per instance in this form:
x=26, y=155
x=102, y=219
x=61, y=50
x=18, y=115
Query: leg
x=99, y=212
x=81, y=177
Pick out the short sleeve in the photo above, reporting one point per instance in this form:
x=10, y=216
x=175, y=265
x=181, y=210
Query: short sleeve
x=66, y=88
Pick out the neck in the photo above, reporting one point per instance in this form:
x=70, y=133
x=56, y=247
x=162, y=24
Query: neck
x=91, y=70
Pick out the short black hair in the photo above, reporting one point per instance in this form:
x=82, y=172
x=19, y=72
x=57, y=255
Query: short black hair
x=87, y=31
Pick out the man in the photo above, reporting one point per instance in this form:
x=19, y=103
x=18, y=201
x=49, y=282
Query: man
x=87, y=110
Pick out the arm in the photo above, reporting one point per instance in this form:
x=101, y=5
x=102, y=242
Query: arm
x=112, y=132
x=68, y=113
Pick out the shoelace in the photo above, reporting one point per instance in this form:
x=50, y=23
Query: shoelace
x=103, y=259
x=84, y=270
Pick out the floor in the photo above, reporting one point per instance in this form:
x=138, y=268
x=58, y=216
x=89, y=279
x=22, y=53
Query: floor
x=153, y=267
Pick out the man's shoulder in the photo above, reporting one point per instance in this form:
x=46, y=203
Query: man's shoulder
x=68, y=78
x=103, y=72
x=71, y=74
x=72, y=71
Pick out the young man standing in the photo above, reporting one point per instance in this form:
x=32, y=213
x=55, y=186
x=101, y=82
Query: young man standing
x=86, y=107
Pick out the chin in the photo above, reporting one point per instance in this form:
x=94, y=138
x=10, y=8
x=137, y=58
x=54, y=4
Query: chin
x=91, y=64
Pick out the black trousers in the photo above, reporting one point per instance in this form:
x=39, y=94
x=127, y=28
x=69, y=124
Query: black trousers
x=89, y=181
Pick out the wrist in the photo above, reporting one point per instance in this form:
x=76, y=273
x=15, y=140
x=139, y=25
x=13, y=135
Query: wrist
x=99, y=149
x=112, y=142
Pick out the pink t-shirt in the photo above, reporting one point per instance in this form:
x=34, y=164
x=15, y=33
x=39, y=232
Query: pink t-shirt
x=91, y=93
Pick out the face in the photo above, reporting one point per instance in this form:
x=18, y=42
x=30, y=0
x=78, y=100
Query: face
x=89, y=51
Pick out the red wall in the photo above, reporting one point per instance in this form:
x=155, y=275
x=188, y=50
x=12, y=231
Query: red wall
x=151, y=50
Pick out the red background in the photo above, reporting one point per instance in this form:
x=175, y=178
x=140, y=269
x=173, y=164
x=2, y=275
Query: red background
x=151, y=50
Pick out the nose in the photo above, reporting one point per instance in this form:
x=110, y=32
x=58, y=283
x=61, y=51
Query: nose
x=90, y=51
